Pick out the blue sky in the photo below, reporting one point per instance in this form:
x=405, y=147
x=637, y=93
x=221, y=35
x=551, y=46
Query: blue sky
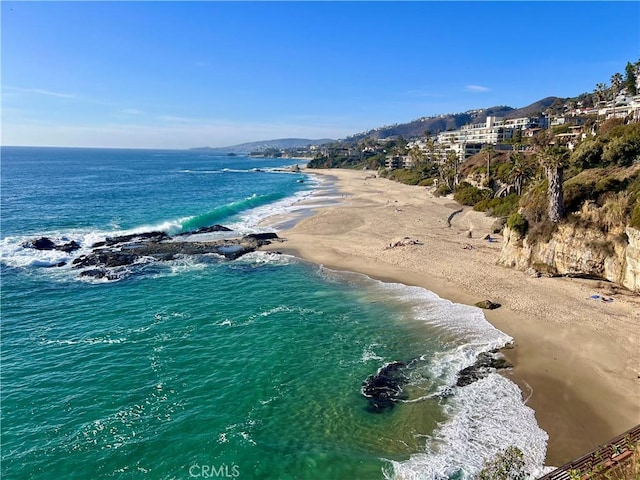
x=186, y=74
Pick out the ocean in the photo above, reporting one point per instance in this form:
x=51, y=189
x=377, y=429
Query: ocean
x=203, y=367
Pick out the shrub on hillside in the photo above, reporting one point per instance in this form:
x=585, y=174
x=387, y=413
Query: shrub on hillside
x=622, y=150
x=575, y=193
x=517, y=223
x=534, y=203
x=405, y=175
x=427, y=182
x=499, y=207
x=610, y=125
x=588, y=154
x=443, y=189
x=594, y=184
x=634, y=221
x=467, y=194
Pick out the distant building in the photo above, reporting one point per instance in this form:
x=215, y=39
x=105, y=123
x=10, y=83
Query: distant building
x=471, y=138
x=398, y=161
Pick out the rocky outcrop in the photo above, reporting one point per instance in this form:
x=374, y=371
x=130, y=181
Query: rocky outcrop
x=575, y=250
x=110, y=258
x=384, y=388
x=631, y=271
x=487, y=305
x=486, y=363
x=45, y=243
x=212, y=229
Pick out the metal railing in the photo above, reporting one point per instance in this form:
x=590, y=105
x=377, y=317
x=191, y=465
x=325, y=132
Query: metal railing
x=599, y=459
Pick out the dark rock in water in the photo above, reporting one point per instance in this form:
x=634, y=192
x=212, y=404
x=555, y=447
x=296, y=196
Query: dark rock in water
x=384, y=388
x=72, y=246
x=212, y=229
x=99, y=273
x=95, y=273
x=262, y=236
x=105, y=258
x=486, y=363
x=130, y=249
x=44, y=243
x=133, y=237
x=488, y=305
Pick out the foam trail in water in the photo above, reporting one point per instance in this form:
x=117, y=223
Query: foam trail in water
x=487, y=417
x=250, y=221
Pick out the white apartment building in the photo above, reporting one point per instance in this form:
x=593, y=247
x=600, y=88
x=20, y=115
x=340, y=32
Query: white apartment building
x=470, y=139
x=622, y=107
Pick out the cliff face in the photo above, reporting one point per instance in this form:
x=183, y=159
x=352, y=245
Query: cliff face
x=579, y=251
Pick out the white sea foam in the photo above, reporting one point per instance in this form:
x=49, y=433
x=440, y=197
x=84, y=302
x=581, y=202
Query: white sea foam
x=84, y=341
x=266, y=258
x=485, y=417
x=205, y=172
x=14, y=253
x=465, y=330
x=250, y=221
x=369, y=354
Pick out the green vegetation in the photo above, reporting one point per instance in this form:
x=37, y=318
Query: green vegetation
x=592, y=184
x=467, y=194
x=635, y=217
x=508, y=465
x=616, y=145
x=443, y=189
x=408, y=176
x=517, y=223
x=630, y=79
x=499, y=207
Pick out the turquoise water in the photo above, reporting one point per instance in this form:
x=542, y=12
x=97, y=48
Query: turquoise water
x=208, y=368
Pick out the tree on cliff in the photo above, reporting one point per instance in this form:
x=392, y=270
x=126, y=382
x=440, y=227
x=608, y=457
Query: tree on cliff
x=553, y=160
x=488, y=151
x=630, y=79
x=520, y=171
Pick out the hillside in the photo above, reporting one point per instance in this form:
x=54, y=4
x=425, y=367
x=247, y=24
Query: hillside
x=260, y=146
x=413, y=129
x=441, y=123
x=535, y=109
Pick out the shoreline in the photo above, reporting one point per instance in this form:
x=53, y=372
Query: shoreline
x=575, y=359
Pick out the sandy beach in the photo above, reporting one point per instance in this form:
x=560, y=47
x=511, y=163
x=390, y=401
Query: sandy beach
x=577, y=360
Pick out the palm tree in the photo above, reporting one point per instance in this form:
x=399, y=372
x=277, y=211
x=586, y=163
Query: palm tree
x=488, y=150
x=616, y=83
x=631, y=71
x=448, y=169
x=418, y=157
x=553, y=160
x=600, y=91
x=520, y=171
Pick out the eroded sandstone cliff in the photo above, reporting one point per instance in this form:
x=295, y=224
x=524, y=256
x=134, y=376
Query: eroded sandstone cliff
x=576, y=250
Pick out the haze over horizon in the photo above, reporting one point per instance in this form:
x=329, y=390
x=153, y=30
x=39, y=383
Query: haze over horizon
x=190, y=74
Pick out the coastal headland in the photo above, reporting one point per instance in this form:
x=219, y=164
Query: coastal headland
x=576, y=357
